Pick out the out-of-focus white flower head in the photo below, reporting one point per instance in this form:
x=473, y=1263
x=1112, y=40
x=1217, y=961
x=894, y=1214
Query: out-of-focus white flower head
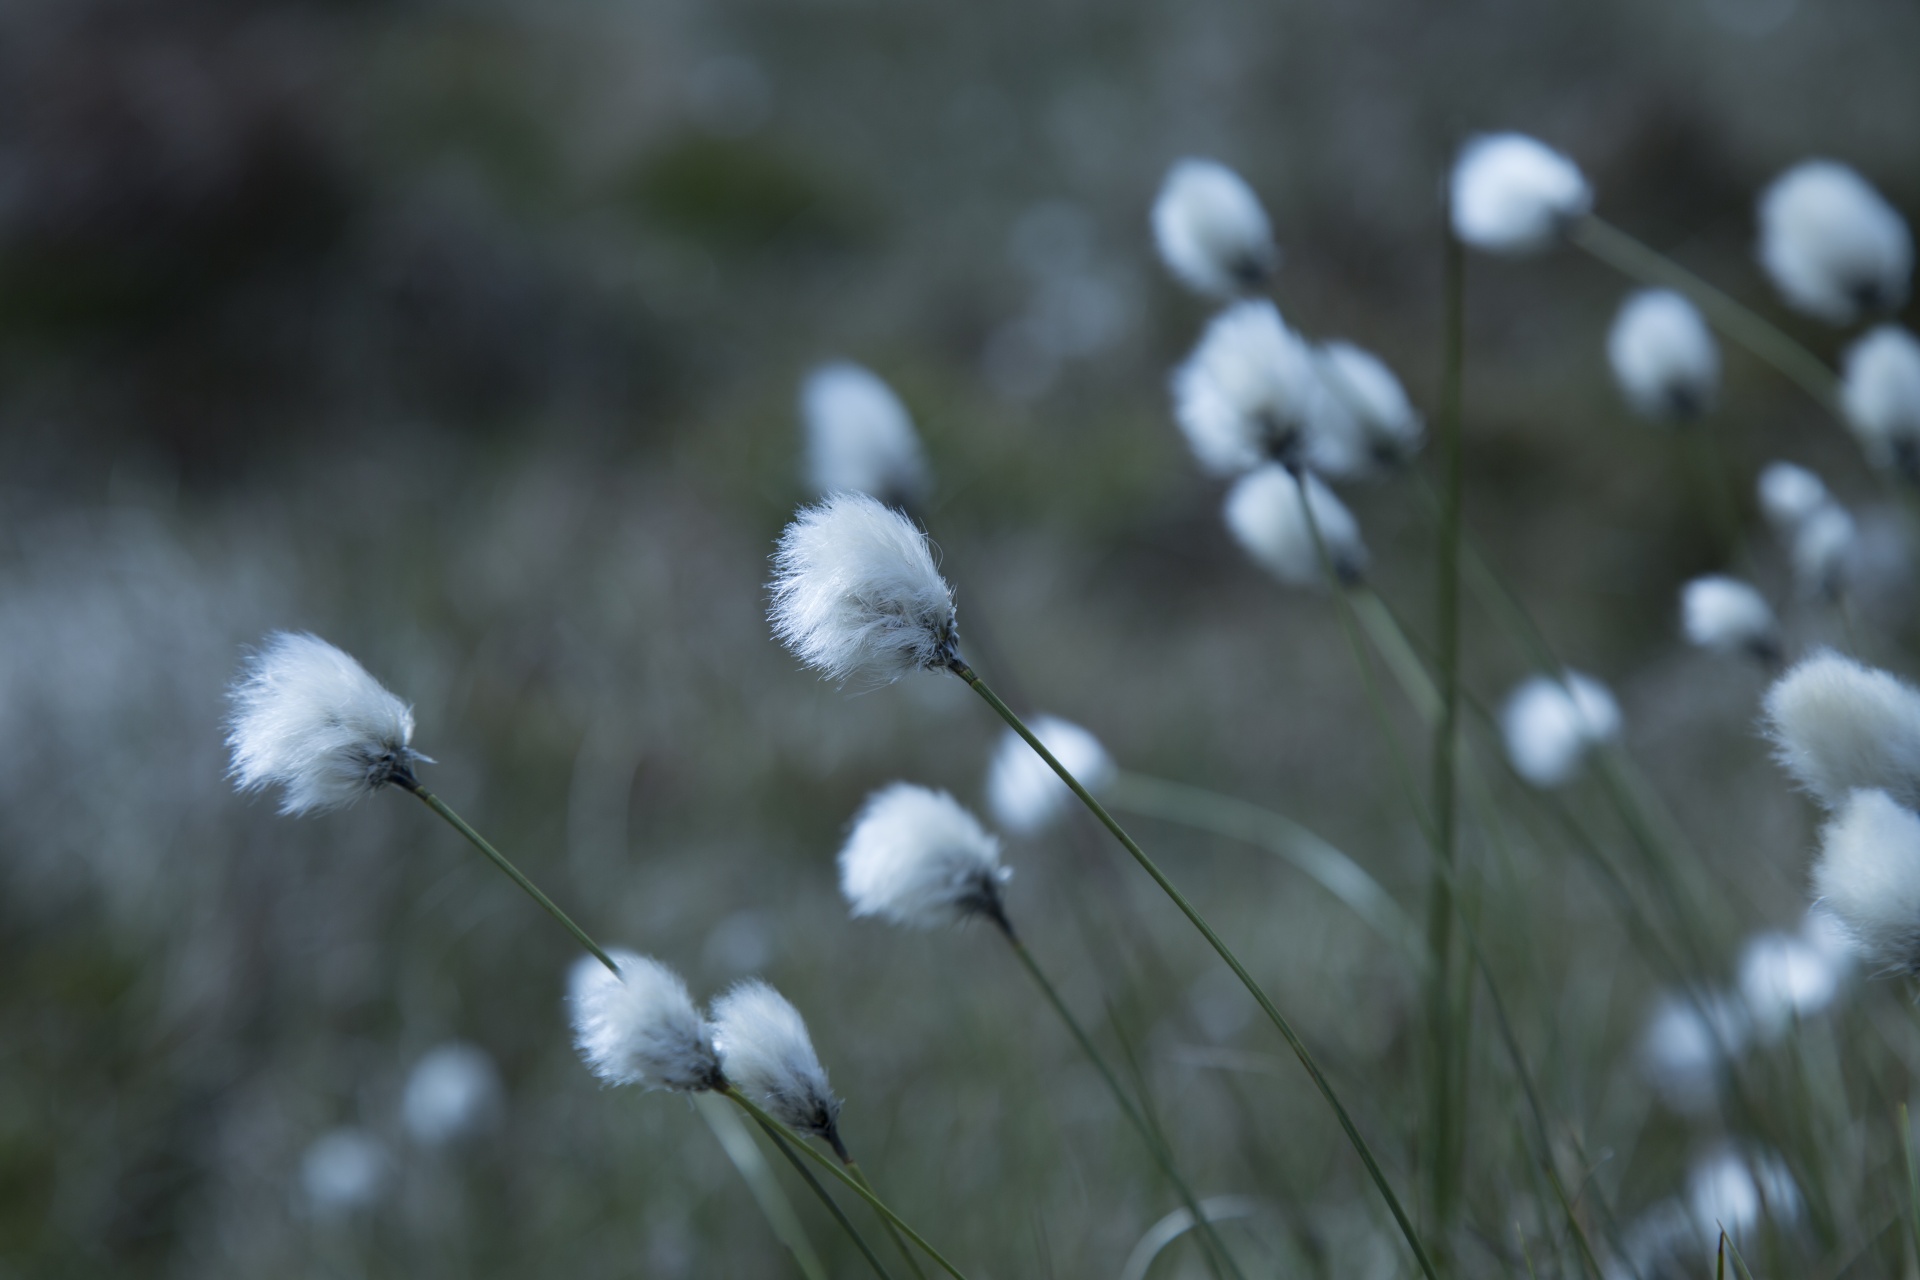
x=1732, y=1191
x=1823, y=551
x=1834, y=248
x=1512, y=194
x=344, y=1170
x=454, y=1090
x=1550, y=725
x=859, y=436
x=856, y=594
x=1686, y=1047
x=1789, y=494
x=917, y=858
x=640, y=1026
x=1880, y=394
x=1211, y=230
x=1024, y=793
x=1868, y=876
x=307, y=717
x=1390, y=429
x=1664, y=356
x=1252, y=392
x=1838, y=726
x=1726, y=615
x=1266, y=516
x=1785, y=978
x=767, y=1054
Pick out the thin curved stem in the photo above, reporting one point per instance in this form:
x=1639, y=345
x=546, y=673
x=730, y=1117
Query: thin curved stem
x=852, y=1166
x=774, y=1206
x=1225, y=953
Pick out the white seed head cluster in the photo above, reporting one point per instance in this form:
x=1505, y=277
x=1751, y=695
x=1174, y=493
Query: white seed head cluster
x=640, y=1026
x=1024, y=792
x=1211, y=230
x=1838, y=726
x=917, y=858
x=342, y=1171
x=1265, y=514
x=859, y=436
x=1663, y=355
x=1785, y=978
x=454, y=1090
x=1820, y=536
x=1550, y=725
x=767, y=1054
x=1789, y=494
x=1686, y=1048
x=856, y=594
x=1726, y=615
x=1880, y=395
x=1512, y=194
x=308, y=718
x=1389, y=427
x=1868, y=876
x=1251, y=392
x=1833, y=246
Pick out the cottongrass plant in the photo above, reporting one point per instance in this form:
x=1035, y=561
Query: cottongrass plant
x=1727, y=616
x=1286, y=521
x=1026, y=796
x=1832, y=245
x=452, y=1093
x=1551, y=724
x=1880, y=394
x=1212, y=232
x=1513, y=195
x=859, y=436
x=1663, y=355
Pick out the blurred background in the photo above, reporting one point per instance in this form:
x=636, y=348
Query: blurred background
x=468, y=336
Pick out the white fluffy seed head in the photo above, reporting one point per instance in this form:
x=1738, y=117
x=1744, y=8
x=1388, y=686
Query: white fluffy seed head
x=1838, y=726
x=1732, y=1191
x=1663, y=355
x=307, y=717
x=1880, y=394
x=856, y=594
x=915, y=857
x=1726, y=615
x=1686, y=1046
x=1833, y=247
x=1211, y=230
x=1024, y=792
x=1788, y=495
x=1823, y=551
x=1783, y=979
x=1868, y=877
x=859, y=436
x=1252, y=392
x=640, y=1026
x=1512, y=194
x=1550, y=725
x=1265, y=514
x=1390, y=428
x=767, y=1054
x=454, y=1090
x=344, y=1170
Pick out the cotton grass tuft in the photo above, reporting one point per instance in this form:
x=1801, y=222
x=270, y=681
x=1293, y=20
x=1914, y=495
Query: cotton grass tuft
x=1663, y=355
x=1266, y=516
x=1251, y=392
x=1211, y=230
x=917, y=858
x=1868, y=876
x=859, y=436
x=1725, y=615
x=1832, y=245
x=453, y=1091
x=1838, y=726
x=1550, y=725
x=1512, y=194
x=767, y=1054
x=640, y=1026
x=1024, y=792
x=1880, y=395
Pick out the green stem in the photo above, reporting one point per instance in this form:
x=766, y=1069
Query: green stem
x=1232, y=961
x=833, y=1206
x=852, y=1166
x=774, y=1206
x=753, y=1109
x=499, y=860
x=1740, y=323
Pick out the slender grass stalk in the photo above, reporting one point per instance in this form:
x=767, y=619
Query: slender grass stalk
x=1913, y=1178
x=852, y=1166
x=774, y=1206
x=857, y=1186
x=1738, y=322
x=1374, y=1172
x=499, y=860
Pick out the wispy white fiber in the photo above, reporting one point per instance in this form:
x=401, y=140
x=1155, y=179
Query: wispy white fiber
x=309, y=719
x=342, y=1171
x=1733, y=1191
x=859, y=436
x=1512, y=194
x=1868, y=876
x=454, y=1090
x=1785, y=978
x=1251, y=392
x=1838, y=726
x=767, y=1054
x=1663, y=355
x=1789, y=494
x=1550, y=725
x=640, y=1027
x=1024, y=792
x=1265, y=514
x=916, y=857
x=1726, y=615
x=1833, y=246
x=1212, y=232
x=1390, y=428
x=1880, y=394
x=856, y=594
x=1686, y=1047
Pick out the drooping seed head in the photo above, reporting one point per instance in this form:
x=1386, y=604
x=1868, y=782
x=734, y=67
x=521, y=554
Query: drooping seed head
x=1868, y=876
x=1211, y=230
x=916, y=858
x=1512, y=194
x=1726, y=615
x=1024, y=792
x=855, y=593
x=1880, y=394
x=308, y=718
x=1390, y=428
x=1664, y=356
x=1251, y=392
x=1265, y=514
x=1788, y=495
x=640, y=1026
x=767, y=1054
x=1833, y=246
x=452, y=1091
x=1550, y=725
x=1838, y=726
x=859, y=436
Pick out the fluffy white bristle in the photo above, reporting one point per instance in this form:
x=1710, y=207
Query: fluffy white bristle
x=1880, y=394
x=1390, y=428
x=859, y=436
x=1511, y=193
x=915, y=857
x=1252, y=392
x=1834, y=248
x=1838, y=726
x=767, y=1054
x=1266, y=516
x=1726, y=615
x=1784, y=978
x=1550, y=725
x=1663, y=355
x=1024, y=792
x=1868, y=877
x=640, y=1026
x=1789, y=494
x=1211, y=230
